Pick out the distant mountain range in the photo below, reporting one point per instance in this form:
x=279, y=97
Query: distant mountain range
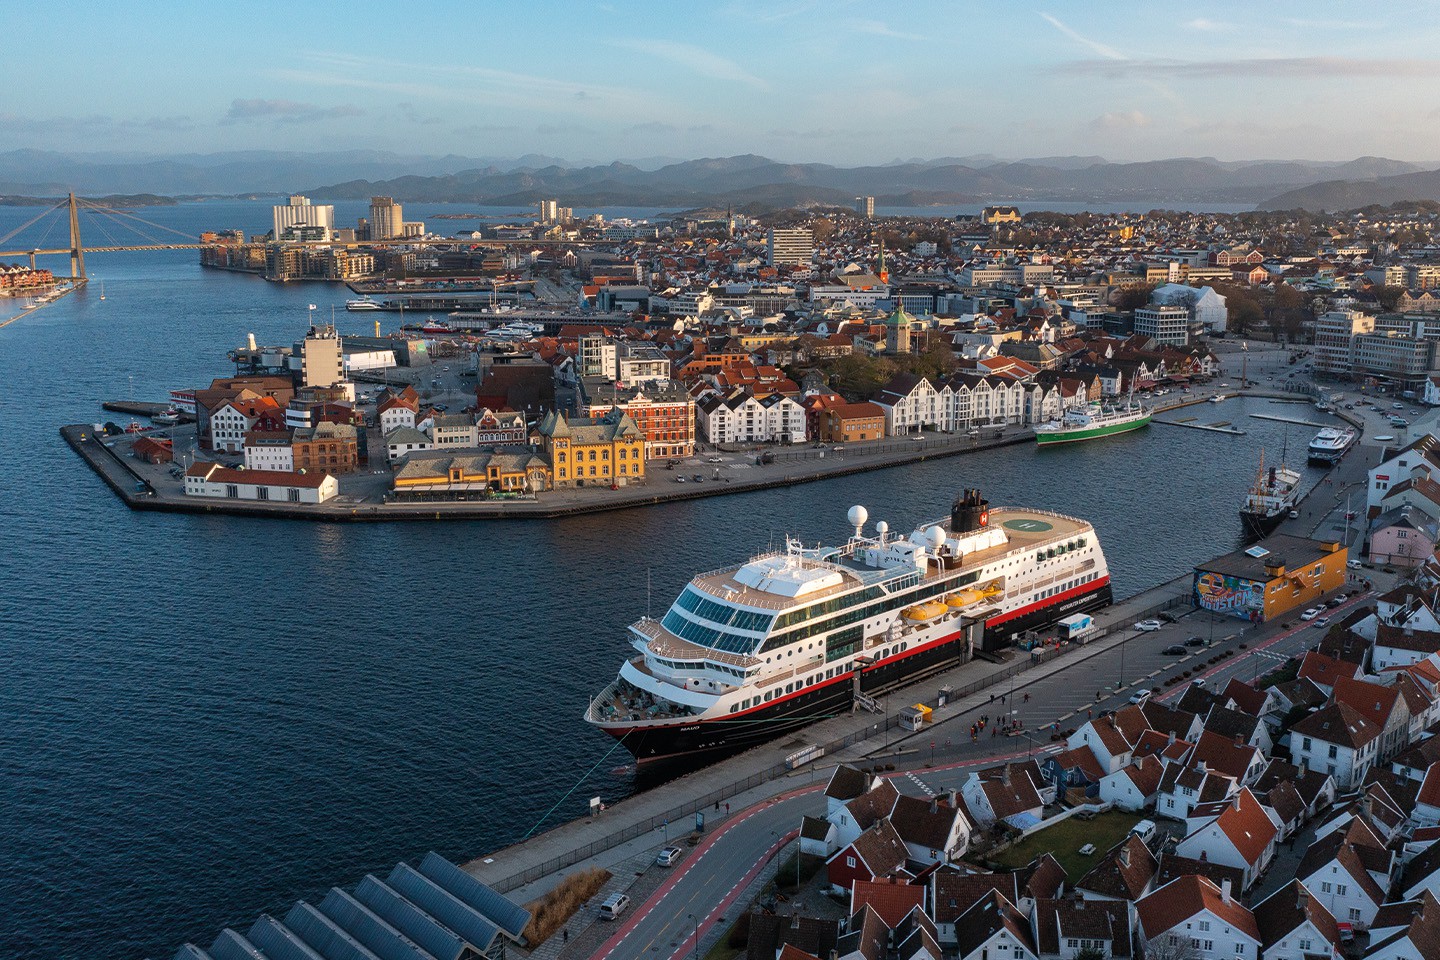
x=746, y=180
x=1350, y=194
x=756, y=180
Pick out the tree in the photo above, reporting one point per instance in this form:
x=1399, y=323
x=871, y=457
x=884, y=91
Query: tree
x=1091, y=953
x=1389, y=296
x=1169, y=947
x=1132, y=298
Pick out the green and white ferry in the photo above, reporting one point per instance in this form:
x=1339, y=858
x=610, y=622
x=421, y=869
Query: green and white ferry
x=1093, y=422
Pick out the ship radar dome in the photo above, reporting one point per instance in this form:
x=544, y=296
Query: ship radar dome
x=857, y=517
x=936, y=536
x=882, y=528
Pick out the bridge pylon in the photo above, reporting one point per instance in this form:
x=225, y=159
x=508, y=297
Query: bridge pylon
x=77, y=252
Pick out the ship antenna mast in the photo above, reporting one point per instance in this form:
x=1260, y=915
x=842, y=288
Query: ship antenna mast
x=647, y=593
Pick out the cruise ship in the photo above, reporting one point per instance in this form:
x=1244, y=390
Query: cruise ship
x=749, y=652
x=1330, y=444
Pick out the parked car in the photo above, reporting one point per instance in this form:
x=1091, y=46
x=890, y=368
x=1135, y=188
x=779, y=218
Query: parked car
x=668, y=857
x=1148, y=626
x=1140, y=696
x=1321, y=623
x=1174, y=650
x=613, y=906
x=1310, y=614
x=1195, y=641
x=1145, y=830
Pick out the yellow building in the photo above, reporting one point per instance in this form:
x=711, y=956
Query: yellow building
x=608, y=451
x=470, y=474
x=1272, y=579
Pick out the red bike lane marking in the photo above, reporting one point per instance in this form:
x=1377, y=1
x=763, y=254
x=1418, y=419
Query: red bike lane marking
x=664, y=889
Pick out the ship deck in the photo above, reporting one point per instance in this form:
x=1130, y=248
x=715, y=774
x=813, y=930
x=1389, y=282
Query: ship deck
x=1024, y=529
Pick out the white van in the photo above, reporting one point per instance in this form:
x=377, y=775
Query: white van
x=613, y=906
x=1145, y=830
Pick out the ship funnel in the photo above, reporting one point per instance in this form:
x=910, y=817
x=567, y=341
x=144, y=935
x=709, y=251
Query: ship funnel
x=969, y=512
x=250, y=340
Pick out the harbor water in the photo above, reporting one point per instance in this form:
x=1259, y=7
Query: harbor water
x=209, y=717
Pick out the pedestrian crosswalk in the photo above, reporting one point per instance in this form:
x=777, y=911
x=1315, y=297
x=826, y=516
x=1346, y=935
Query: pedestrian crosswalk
x=922, y=785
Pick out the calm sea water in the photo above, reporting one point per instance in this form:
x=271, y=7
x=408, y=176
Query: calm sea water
x=206, y=718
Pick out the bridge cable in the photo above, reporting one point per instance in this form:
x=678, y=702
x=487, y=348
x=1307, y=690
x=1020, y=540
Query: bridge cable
x=112, y=211
x=5, y=239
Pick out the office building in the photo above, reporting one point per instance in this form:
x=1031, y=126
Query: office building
x=549, y=211
x=791, y=247
x=299, y=214
x=1163, y=322
x=865, y=207
x=322, y=361
x=387, y=220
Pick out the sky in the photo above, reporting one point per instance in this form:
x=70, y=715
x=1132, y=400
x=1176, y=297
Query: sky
x=837, y=82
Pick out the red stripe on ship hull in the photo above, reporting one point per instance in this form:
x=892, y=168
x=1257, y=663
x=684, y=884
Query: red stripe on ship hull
x=1084, y=588
x=1090, y=587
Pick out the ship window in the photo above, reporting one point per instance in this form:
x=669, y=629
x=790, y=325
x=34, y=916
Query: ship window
x=734, y=707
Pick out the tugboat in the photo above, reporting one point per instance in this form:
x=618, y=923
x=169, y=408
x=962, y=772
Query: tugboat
x=1272, y=497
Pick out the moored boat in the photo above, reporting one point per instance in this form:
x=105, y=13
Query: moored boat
x=1271, y=498
x=750, y=652
x=1093, y=422
x=1330, y=444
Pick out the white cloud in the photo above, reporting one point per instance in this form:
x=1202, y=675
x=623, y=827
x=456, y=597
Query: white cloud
x=1208, y=26
x=1109, y=53
x=698, y=60
x=1118, y=121
x=285, y=111
x=881, y=29
x=1317, y=68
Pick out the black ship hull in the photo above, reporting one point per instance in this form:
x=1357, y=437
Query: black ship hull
x=1258, y=526
x=708, y=740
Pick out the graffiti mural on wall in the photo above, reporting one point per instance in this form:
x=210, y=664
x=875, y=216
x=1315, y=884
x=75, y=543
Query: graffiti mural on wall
x=1244, y=599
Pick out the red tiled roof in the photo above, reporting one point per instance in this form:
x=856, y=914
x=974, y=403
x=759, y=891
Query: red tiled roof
x=1325, y=670
x=215, y=473
x=1372, y=701
x=1183, y=898
x=891, y=899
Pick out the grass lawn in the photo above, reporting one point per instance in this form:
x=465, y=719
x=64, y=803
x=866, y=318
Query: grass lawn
x=1065, y=839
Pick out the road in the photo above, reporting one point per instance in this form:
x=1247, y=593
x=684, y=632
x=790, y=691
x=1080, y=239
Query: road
x=703, y=891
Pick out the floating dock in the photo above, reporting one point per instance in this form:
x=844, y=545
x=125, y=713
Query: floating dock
x=1303, y=423
x=1223, y=426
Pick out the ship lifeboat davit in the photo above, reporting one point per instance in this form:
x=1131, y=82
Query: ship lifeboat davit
x=926, y=611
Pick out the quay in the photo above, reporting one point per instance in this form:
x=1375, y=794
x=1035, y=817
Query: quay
x=761, y=772
x=138, y=491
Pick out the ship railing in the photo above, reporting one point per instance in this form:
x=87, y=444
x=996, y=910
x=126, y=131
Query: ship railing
x=666, y=644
